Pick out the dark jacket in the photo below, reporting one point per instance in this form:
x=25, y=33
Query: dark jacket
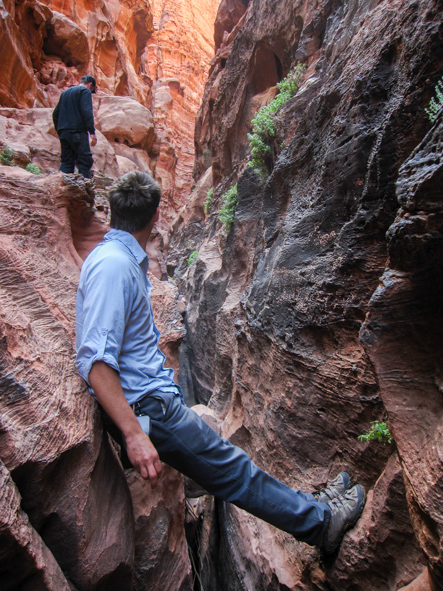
x=74, y=110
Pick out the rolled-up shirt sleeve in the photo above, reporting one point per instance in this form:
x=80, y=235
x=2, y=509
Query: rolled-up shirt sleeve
x=103, y=306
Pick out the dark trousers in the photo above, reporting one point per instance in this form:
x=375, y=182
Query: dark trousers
x=75, y=151
x=185, y=442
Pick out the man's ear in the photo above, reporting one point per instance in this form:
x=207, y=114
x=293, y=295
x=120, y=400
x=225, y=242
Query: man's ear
x=156, y=215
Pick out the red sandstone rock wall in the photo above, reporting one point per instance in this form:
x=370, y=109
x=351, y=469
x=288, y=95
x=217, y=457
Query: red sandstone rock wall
x=155, y=56
x=276, y=307
x=68, y=518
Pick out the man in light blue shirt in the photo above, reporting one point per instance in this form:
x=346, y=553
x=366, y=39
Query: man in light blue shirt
x=118, y=356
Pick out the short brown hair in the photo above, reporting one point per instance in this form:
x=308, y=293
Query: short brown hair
x=133, y=200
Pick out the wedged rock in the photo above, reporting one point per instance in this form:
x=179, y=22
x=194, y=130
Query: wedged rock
x=403, y=338
x=138, y=158
x=125, y=120
x=125, y=165
x=67, y=40
x=161, y=551
x=164, y=297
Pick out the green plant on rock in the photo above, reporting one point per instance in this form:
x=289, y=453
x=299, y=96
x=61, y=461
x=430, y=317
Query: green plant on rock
x=192, y=257
x=436, y=105
x=264, y=130
x=33, y=168
x=227, y=211
x=7, y=156
x=208, y=200
x=379, y=431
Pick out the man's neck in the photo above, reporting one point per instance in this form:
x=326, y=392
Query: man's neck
x=142, y=236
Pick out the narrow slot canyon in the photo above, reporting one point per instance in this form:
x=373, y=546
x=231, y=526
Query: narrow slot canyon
x=296, y=273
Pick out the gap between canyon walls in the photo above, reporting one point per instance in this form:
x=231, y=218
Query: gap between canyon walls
x=291, y=338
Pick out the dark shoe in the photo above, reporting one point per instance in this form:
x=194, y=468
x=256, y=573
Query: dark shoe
x=338, y=487
x=345, y=511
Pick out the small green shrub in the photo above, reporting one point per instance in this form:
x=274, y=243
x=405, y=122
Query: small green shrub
x=33, y=168
x=378, y=431
x=264, y=130
x=192, y=257
x=208, y=201
x=227, y=211
x=436, y=105
x=7, y=156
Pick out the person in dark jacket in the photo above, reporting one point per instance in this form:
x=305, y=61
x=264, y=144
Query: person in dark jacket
x=73, y=120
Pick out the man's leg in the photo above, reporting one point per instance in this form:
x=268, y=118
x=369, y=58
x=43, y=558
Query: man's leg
x=83, y=154
x=68, y=154
x=185, y=442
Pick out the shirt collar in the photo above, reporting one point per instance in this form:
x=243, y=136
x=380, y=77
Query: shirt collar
x=131, y=243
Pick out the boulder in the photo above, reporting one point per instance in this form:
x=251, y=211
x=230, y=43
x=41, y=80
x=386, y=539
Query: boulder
x=125, y=120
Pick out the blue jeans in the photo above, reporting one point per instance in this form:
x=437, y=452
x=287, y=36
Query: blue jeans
x=75, y=151
x=185, y=442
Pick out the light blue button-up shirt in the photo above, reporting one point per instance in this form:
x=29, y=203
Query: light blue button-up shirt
x=114, y=320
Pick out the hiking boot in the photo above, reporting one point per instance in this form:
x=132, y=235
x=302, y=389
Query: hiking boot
x=345, y=511
x=338, y=487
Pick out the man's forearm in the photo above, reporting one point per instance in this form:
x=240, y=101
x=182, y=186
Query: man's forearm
x=107, y=388
x=105, y=382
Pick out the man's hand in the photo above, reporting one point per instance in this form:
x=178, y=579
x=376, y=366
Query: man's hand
x=144, y=457
x=142, y=454
x=93, y=140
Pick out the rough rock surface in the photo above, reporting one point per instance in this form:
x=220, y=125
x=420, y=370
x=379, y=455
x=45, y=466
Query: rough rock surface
x=43, y=400
x=124, y=120
x=408, y=303
x=65, y=509
x=276, y=307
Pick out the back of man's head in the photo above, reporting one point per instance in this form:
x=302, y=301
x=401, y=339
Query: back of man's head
x=133, y=200
x=88, y=79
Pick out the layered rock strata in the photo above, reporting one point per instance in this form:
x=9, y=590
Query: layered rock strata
x=276, y=306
